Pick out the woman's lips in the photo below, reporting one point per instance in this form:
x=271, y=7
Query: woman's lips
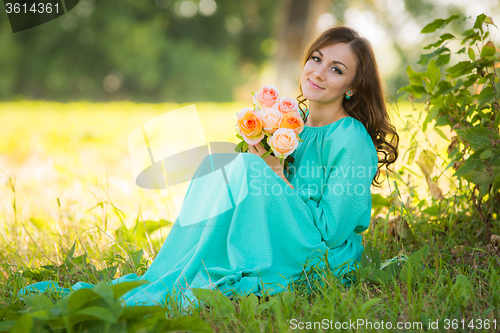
x=314, y=85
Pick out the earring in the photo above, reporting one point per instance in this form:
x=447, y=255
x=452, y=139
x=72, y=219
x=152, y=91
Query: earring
x=347, y=96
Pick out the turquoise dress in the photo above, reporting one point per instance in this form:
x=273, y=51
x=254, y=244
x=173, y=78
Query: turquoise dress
x=253, y=233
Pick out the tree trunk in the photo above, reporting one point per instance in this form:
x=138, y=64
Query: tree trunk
x=297, y=23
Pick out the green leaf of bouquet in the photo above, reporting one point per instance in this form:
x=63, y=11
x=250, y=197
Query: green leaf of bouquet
x=239, y=147
x=264, y=142
x=239, y=136
x=98, y=312
x=245, y=146
x=124, y=287
x=266, y=154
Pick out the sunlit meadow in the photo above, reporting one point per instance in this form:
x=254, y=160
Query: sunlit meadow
x=66, y=180
x=66, y=174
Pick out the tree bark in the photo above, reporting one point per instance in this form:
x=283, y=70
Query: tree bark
x=297, y=23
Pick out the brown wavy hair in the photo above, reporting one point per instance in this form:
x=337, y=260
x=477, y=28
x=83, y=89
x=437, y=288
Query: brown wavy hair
x=367, y=104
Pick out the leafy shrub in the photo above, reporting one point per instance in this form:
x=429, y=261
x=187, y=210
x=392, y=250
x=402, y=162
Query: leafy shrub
x=464, y=97
x=96, y=310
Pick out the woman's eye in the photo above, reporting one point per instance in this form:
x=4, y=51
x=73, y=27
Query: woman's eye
x=315, y=59
x=336, y=70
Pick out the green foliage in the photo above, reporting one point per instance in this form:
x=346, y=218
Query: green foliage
x=402, y=267
x=156, y=54
x=434, y=288
x=98, y=309
x=465, y=97
x=73, y=268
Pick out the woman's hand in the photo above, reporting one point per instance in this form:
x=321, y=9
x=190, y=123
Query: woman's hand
x=272, y=161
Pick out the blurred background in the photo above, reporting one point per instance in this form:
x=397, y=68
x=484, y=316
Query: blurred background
x=203, y=50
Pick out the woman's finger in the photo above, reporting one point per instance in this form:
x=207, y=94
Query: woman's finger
x=260, y=149
x=255, y=150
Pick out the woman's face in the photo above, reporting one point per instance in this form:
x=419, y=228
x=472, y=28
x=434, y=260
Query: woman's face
x=328, y=74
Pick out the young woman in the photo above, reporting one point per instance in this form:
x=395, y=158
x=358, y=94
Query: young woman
x=264, y=229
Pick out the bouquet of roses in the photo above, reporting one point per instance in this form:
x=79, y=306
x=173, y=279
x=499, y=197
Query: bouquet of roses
x=273, y=122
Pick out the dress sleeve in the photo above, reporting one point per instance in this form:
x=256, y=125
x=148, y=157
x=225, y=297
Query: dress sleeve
x=344, y=206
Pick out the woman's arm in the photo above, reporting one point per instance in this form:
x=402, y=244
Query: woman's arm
x=272, y=161
x=344, y=204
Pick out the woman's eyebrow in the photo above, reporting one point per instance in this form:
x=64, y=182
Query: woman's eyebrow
x=333, y=62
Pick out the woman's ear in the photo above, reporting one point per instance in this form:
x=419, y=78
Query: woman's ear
x=350, y=92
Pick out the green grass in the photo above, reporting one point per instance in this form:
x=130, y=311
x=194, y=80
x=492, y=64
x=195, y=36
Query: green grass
x=68, y=202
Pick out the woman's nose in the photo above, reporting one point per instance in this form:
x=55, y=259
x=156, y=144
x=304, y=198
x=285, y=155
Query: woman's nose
x=318, y=73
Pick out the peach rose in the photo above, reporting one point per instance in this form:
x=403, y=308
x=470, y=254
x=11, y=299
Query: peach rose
x=283, y=142
x=249, y=126
x=287, y=104
x=266, y=97
x=271, y=118
x=292, y=120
